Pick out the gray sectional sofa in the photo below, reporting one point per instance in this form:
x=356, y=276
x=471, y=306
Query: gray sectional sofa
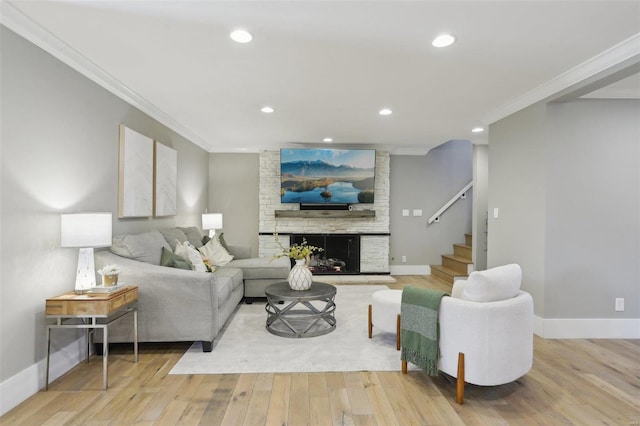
x=178, y=304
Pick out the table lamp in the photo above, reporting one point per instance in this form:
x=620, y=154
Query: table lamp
x=211, y=222
x=86, y=231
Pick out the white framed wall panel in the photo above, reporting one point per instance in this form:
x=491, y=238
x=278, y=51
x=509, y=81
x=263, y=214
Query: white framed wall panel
x=165, y=180
x=135, y=195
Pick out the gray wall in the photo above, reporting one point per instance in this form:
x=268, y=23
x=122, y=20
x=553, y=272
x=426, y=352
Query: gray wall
x=59, y=147
x=480, y=203
x=233, y=191
x=427, y=183
x=565, y=177
x=593, y=231
x=517, y=147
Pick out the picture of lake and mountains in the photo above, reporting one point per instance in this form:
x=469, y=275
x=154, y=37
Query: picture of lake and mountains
x=327, y=176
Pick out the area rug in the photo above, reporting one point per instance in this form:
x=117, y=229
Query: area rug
x=247, y=347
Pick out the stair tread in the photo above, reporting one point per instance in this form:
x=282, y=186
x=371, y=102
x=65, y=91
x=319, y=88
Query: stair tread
x=448, y=271
x=458, y=258
x=463, y=246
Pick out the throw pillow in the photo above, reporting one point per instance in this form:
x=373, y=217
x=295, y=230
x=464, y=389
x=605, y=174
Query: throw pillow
x=187, y=251
x=205, y=239
x=215, y=253
x=222, y=241
x=500, y=283
x=194, y=236
x=145, y=247
x=172, y=260
x=172, y=235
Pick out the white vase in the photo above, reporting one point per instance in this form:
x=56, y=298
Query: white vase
x=300, y=277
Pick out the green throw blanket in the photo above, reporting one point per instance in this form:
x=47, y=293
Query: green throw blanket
x=420, y=327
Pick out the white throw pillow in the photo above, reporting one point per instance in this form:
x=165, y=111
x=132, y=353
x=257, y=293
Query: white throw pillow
x=187, y=251
x=217, y=255
x=500, y=283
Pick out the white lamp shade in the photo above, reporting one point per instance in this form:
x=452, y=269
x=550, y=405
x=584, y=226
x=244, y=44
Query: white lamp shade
x=212, y=221
x=85, y=230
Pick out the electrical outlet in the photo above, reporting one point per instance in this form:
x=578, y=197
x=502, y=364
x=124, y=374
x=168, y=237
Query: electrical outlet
x=404, y=259
x=619, y=304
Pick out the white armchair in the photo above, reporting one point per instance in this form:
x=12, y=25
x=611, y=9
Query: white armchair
x=486, y=329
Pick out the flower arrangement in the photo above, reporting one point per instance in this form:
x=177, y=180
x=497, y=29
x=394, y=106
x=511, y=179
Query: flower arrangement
x=296, y=251
x=109, y=270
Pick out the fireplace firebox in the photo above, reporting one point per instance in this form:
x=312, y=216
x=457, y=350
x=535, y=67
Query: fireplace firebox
x=340, y=253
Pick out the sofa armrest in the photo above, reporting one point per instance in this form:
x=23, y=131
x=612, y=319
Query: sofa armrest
x=239, y=252
x=173, y=304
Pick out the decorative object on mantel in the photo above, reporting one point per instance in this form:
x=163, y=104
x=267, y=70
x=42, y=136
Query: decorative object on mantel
x=300, y=277
x=86, y=231
x=109, y=275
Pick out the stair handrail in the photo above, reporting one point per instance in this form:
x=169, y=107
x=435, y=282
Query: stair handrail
x=449, y=203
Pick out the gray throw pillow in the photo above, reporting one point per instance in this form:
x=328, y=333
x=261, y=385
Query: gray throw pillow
x=194, y=236
x=145, y=247
x=172, y=260
x=173, y=234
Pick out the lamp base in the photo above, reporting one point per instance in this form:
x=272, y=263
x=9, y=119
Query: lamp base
x=86, y=274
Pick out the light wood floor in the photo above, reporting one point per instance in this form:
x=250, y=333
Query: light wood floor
x=581, y=382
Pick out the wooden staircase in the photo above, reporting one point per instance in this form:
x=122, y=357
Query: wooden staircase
x=456, y=265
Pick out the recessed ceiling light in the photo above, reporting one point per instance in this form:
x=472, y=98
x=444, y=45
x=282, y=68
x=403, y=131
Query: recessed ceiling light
x=267, y=109
x=477, y=129
x=241, y=36
x=443, y=40
x=327, y=140
x=385, y=111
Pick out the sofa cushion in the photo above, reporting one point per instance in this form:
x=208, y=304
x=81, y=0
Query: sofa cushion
x=172, y=260
x=263, y=267
x=215, y=253
x=500, y=283
x=172, y=235
x=145, y=247
x=194, y=236
x=229, y=279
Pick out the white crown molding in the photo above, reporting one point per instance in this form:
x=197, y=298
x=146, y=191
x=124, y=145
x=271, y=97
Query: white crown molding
x=625, y=51
x=24, y=26
x=607, y=93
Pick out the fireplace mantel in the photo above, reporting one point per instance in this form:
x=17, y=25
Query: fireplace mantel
x=354, y=214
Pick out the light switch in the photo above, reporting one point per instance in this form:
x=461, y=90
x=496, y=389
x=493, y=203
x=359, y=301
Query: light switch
x=495, y=213
x=405, y=212
x=417, y=212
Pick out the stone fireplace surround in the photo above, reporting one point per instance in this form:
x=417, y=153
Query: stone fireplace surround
x=373, y=231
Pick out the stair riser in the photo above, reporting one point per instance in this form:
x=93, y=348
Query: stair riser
x=462, y=251
x=468, y=240
x=460, y=267
x=442, y=276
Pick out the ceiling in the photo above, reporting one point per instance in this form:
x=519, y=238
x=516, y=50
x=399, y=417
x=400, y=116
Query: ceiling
x=328, y=67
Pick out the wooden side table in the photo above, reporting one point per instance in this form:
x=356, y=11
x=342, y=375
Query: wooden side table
x=83, y=311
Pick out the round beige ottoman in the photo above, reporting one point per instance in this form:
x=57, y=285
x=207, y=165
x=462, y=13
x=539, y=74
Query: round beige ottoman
x=384, y=312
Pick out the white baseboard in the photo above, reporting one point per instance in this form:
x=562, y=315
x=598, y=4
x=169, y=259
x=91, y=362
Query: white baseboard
x=29, y=381
x=587, y=328
x=410, y=270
